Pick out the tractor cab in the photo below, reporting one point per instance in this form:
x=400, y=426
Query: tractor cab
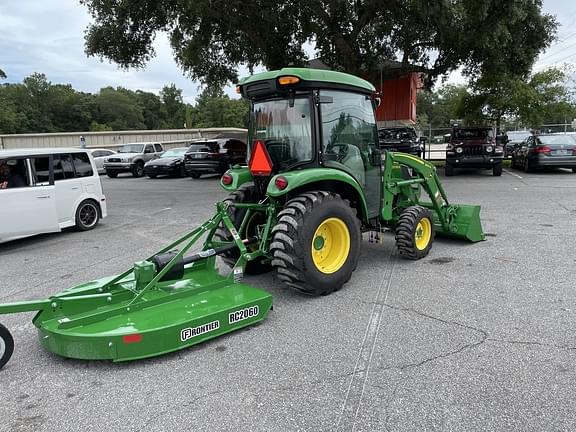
x=306, y=118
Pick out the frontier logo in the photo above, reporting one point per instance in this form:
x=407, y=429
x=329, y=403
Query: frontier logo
x=191, y=332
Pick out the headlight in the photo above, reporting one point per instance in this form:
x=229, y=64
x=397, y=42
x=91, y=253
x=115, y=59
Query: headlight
x=489, y=149
x=459, y=149
x=126, y=159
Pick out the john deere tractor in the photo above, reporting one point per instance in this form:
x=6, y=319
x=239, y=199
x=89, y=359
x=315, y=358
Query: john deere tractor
x=316, y=168
x=315, y=181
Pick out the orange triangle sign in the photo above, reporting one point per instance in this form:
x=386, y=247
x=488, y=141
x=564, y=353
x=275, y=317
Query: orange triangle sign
x=260, y=162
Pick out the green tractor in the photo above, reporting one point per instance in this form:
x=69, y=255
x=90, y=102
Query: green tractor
x=315, y=181
x=315, y=159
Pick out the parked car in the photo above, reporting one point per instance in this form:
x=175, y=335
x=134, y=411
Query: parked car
x=473, y=147
x=400, y=139
x=171, y=163
x=213, y=156
x=99, y=155
x=514, y=139
x=47, y=190
x=546, y=151
x=131, y=158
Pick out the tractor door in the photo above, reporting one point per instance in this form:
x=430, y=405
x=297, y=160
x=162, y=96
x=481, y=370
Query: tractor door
x=350, y=141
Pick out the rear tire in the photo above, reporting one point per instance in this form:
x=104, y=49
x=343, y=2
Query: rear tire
x=415, y=232
x=448, y=170
x=497, y=170
x=138, y=170
x=87, y=215
x=6, y=346
x=316, y=243
x=111, y=174
x=244, y=194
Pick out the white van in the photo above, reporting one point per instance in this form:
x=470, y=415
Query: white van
x=46, y=190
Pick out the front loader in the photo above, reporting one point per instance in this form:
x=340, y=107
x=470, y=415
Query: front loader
x=315, y=181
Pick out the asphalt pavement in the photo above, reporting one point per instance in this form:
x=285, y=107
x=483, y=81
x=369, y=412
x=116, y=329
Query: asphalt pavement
x=475, y=337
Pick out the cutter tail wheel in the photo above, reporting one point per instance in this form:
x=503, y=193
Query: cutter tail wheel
x=245, y=194
x=316, y=243
x=6, y=346
x=415, y=232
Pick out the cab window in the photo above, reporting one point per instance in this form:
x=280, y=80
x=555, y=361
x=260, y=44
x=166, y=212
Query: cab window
x=149, y=149
x=158, y=148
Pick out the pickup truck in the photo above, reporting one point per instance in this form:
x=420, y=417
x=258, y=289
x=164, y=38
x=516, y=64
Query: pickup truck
x=131, y=158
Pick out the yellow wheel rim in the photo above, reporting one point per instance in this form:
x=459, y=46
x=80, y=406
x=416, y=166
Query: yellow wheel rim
x=330, y=245
x=423, y=233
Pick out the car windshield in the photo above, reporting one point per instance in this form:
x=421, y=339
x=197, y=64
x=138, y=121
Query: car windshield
x=555, y=139
x=131, y=148
x=395, y=134
x=175, y=152
x=473, y=133
x=285, y=127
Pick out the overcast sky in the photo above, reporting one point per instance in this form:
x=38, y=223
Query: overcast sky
x=47, y=36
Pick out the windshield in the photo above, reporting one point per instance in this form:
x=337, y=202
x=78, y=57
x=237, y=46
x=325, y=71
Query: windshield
x=473, y=133
x=286, y=130
x=175, y=152
x=131, y=148
x=204, y=147
x=396, y=134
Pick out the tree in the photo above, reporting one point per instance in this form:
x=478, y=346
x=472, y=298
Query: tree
x=211, y=38
x=216, y=109
x=436, y=109
x=171, y=97
x=119, y=109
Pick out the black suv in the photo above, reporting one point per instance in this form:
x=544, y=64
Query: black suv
x=474, y=147
x=213, y=156
x=400, y=139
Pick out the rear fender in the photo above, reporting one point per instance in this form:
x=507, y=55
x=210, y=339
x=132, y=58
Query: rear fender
x=240, y=175
x=326, y=179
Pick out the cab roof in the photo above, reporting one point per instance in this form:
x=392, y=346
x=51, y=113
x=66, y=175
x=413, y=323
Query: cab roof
x=314, y=77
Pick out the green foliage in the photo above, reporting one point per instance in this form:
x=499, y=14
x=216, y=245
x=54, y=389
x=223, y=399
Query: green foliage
x=211, y=38
x=36, y=105
x=438, y=108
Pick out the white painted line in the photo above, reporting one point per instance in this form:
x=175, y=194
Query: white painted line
x=513, y=174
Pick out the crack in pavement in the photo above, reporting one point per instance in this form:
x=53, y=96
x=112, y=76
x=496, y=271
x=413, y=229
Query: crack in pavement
x=533, y=343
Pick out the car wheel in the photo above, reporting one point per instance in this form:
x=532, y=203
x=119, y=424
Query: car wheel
x=87, y=215
x=111, y=174
x=195, y=175
x=152, y=176
x=527, y=166
x=574, y=170
x=497, y=170
x=448, y=170
x=182, y=172
x=6, y=346
x=138, y=170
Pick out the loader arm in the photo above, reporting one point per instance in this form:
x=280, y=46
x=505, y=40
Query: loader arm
x=458, y=221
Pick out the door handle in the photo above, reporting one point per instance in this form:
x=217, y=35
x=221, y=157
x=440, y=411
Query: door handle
x=75, y=188
x=43, y=197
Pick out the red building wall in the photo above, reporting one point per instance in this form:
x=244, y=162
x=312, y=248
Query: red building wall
x=398, y=99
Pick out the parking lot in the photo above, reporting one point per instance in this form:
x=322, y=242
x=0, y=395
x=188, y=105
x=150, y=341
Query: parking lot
x=473, y=337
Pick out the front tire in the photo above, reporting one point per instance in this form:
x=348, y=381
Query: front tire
x=415, y=232
x=497, y=170
x=316, y=243
x=448, y=170
x=152, y=176
x=195, y=176
x=138, y=170
x=527, y=166
x=112, y=174
x=6, y=346
x=87, y=215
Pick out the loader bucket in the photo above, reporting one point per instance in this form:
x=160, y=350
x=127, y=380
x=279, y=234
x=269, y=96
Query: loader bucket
x=464, y=223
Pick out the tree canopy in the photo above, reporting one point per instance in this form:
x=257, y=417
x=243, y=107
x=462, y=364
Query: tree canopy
x=212, y=38
x=37, y=105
